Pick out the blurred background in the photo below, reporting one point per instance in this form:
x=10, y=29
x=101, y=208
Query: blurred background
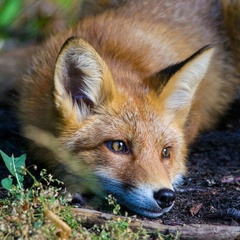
x=25, y=21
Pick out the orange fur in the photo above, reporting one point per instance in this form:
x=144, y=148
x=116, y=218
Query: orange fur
x=113, y=83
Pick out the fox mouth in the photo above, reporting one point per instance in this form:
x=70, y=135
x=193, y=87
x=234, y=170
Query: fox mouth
x=137, y=199
x=154, y=212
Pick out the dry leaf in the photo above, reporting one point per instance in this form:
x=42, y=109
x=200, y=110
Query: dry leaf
x=195, y=209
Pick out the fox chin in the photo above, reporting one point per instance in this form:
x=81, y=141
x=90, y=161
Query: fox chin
x=143, y=199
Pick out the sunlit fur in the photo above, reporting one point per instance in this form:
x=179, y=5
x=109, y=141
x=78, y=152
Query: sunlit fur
x=113, y=61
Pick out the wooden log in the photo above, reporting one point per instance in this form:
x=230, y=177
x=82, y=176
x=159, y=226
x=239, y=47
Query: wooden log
x=187, y=232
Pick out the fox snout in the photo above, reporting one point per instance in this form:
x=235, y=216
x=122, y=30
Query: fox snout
x=142, y=199
x=165, y=198
x=154, y=205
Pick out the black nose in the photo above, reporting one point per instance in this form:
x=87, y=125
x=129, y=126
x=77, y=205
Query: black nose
x=164, y=197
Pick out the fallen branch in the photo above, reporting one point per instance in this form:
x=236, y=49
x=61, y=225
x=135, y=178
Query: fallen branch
x=231, y=180
x=187, y=232
x=192, y=189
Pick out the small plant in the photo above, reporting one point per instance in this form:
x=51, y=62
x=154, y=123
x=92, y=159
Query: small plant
x=41, y=212
x=15, y=166
x=120, y=227
x=113, y=202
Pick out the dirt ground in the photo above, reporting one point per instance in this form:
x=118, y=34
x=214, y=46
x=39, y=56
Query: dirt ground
x=210, y=192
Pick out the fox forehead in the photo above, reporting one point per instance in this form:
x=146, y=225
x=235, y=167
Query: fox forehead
x=135, y=120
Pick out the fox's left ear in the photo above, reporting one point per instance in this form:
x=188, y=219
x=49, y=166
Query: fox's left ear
x=82, y=80
x=178, y=94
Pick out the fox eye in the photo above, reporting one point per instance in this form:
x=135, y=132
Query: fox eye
x=117, y=146
x=166, y=153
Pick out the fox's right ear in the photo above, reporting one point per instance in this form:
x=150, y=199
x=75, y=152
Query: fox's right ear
x=82, y=80
x=178, y=94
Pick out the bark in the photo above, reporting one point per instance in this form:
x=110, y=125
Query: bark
x=187, y=232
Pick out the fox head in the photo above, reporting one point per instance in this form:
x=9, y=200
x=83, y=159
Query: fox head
x=132, y=139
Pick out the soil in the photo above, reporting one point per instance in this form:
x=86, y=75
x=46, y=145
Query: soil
x=210, y=193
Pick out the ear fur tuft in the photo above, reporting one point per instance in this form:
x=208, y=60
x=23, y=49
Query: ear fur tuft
x=80, y=78
x=178, y=94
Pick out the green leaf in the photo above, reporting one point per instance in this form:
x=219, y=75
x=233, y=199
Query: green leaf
x=14, y=165
x=9, y=10
x=8, y=162
x=7, y=183
x=37, y=224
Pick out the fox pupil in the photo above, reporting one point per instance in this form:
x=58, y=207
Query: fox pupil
x=117, y=146
x=166, y=152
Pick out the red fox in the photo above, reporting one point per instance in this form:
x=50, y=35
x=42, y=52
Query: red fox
x=130, y=87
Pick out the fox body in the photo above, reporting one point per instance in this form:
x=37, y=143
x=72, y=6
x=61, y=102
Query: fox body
x=129, y=88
